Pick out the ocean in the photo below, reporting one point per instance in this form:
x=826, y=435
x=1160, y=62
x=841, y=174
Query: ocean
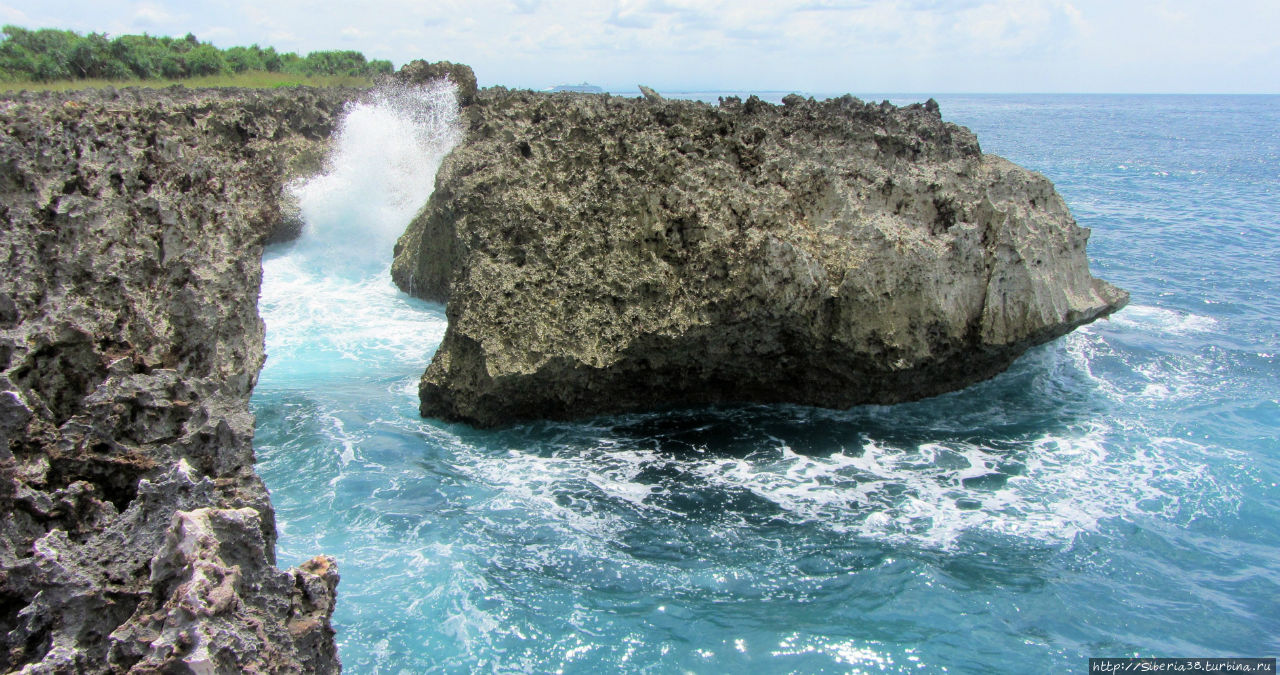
x=1115, y=493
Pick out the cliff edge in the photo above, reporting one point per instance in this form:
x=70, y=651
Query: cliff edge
x=602, y=254
x=136, y=535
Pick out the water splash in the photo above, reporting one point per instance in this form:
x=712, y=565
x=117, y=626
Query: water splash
x=330, y=307
x=380, y=173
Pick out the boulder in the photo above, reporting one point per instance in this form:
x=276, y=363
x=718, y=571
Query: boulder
x=602, y=254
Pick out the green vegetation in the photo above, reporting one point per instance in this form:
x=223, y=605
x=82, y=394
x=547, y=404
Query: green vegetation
x=65, y=59
x=249, y=79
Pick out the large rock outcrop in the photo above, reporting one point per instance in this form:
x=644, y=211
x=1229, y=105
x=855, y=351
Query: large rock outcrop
x=604, y=254
x=422, y=72
x=136, y=535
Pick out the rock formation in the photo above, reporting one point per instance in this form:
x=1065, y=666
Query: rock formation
x=603, y=254
x=422, y=72
x=136, y=534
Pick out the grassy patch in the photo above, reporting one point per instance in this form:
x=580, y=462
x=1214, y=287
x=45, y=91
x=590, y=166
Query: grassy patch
x=250, y=79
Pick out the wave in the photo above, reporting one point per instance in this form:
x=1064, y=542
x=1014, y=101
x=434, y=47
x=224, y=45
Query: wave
x=327, y=298
x=1048, y=489
x=1161, y=320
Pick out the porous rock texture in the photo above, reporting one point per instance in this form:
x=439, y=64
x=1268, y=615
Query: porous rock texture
x=603, y=254
x=136, y=536
x=422, y=72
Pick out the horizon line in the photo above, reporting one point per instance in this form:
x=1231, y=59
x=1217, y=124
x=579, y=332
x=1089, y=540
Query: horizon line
x=816, y=92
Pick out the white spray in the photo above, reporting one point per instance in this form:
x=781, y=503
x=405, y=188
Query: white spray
x=381, y=172
x=327, y=298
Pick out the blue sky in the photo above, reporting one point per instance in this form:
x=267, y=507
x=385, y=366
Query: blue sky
x=823, y=46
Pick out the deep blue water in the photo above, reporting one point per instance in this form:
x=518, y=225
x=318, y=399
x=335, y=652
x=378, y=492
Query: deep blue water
x=1114, y=493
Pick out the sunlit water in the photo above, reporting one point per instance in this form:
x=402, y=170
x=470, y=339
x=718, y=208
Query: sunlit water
x=1114, y=493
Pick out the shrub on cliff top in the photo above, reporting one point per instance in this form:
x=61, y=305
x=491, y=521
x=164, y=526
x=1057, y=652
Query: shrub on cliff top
x=205, y=60
x=48, y=54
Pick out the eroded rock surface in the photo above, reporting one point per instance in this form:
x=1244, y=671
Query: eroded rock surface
x=604, y=254
x=136, y=534
x=421, y=72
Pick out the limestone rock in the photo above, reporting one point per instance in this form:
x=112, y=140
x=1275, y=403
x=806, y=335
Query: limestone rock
x=650, y=95
x=211, y=579
x=421, y=72
x=602, y=254
x=130, y=342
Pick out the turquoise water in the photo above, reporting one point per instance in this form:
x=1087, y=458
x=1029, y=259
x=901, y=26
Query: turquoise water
x=1114, y=493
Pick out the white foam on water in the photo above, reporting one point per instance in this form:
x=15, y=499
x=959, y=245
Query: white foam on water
x=933, y=494
x=563, y=489
x=1047, y=489
x=1050, y=490
x=1160, y=320
x=317, y=321
x=1146, y=378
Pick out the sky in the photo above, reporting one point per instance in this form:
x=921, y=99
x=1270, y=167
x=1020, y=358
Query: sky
x=813, y=46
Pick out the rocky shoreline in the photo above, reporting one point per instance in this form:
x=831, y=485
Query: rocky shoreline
x=597, y=254
x=602, y=254
x=137, y=536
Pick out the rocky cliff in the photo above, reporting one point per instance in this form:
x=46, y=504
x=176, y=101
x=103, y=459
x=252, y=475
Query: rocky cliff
x=604, y=254
x=136, y=535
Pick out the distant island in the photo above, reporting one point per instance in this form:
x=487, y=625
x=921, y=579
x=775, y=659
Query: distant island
x=583, y=88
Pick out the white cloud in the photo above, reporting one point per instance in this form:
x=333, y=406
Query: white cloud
x=818, y=45
x=630, y=19
x=218, y=34
x=1077, y=19
x=149, y=13
x=17, y=17
x=1009, y=26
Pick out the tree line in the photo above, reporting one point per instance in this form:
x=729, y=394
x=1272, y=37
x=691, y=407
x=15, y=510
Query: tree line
x=49, y=54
